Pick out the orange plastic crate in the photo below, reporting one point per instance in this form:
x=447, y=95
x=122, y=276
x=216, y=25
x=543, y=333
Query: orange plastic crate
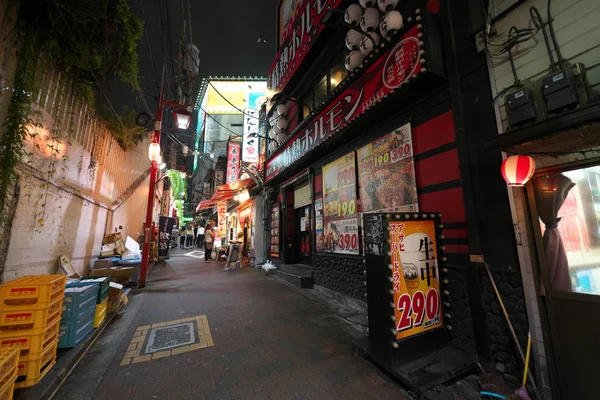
x=31, y=292
x=34, y=320
x=31, y=372
x=9, y=359
x=30, y=345
x=7, y=388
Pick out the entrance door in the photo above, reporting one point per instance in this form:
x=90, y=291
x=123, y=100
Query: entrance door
x=303, y=235
x=566, y=211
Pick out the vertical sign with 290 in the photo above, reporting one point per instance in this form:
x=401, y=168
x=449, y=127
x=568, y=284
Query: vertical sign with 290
x=340, y=206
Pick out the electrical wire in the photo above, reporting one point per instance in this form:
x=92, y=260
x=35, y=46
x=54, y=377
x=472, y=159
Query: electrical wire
x=561, y=60
x=148, y=42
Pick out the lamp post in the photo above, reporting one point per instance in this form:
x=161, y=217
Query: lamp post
x=182, y=117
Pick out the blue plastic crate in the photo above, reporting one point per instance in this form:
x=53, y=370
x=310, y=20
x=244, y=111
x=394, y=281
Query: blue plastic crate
x=78, y=301
x=72, y=332
x=102, y=284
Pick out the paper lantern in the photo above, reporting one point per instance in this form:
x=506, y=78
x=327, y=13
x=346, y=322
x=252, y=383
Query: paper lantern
x=367, y=3
x=272, y=147
x=391, y=23
x=154, y=151
x=353, y=14
x=272, y=134
x=387, y=5
x=277, y=130
x=282, y=123
x=353, y=39
x=370, y=20
x=353, y=60
x=281, y=137
x=366, y=44
x=280, y=110
x=518, y=170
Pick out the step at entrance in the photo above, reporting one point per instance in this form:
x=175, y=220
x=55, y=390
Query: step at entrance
x=297, y=274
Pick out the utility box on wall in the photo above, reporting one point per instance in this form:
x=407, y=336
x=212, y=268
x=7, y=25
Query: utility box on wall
x=405, y=296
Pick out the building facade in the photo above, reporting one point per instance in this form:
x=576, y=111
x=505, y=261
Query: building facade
x=394, y=121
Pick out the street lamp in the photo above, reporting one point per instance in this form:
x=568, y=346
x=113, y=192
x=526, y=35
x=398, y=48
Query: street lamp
x=154, y=152
x=182, y=118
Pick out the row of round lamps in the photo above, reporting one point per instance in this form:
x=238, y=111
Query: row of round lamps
x=279, y=124
x=367, y=14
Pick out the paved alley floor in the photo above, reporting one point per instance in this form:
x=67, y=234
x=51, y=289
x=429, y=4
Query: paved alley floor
x=241, y=335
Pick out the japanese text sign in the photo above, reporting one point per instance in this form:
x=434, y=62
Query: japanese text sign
x=386, y=173
x=222, y=216
x=388, y=73
x=297, y=35
x=233, y=161
x=416, y=276
x=250, y=144
x=340, y=206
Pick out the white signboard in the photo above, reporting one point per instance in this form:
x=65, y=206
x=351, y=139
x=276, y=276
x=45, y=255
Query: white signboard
x=250, y=143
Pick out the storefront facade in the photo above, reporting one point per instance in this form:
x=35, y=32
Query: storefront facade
x=400, y=131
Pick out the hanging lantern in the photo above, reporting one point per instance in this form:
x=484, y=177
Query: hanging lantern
x=367, y=3
x=272, y=147
x=272, y=134
x=391, y=23
x=387, y=5
x=282, y=123
x=154, y=151
x=370, y=20
x=353, y=14
x=353, y=60
x=281, y=137
x=280, y=110
x=353, y=39
x=518, y=170
x=277, y=130
x=366, y=44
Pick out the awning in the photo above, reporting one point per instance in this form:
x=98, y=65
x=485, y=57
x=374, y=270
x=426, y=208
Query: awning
x=226, y=192
x=203, y=205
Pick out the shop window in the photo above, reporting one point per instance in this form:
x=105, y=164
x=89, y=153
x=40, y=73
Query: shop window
x=321, y=91
x=568, y=205
x=337, y=74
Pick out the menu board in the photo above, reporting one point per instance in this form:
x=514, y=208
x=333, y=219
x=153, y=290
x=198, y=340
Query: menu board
x=340, y=206
x=319, y=223
x=274, y=232
x=386, y=173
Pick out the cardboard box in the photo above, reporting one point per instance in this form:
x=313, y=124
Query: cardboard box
x=119, y=274
x=112, y=238
x=65, y=264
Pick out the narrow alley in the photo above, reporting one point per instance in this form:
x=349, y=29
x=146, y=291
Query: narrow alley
x=269, y=343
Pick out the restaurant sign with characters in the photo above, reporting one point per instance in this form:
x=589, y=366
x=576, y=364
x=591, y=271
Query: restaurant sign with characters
x=415, y=261
x=389, y=72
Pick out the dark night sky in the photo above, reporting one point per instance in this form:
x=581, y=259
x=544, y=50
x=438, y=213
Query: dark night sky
x=226, y=33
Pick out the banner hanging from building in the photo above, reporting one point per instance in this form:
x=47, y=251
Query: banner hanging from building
x=340, y=206
x=388, y=73
x=416, y=276
x=386, y=173
x=250, y=144
x=222, y=217
x=233, y=161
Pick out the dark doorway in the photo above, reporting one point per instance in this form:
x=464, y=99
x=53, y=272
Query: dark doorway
x=303, y=235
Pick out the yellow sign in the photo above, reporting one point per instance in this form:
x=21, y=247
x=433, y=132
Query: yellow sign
x=415, y=276
x=231, y=97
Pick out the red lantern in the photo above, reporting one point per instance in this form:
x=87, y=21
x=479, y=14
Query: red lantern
x=518, y=170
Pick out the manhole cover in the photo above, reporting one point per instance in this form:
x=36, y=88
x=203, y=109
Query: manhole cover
x=167, y=337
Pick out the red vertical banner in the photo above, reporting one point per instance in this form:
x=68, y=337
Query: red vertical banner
x=222, y=217
x=233, y=161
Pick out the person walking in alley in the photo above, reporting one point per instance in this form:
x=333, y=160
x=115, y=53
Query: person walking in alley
x=200, y=237
x=209, y=238
x=182, y=237
x=189, y=237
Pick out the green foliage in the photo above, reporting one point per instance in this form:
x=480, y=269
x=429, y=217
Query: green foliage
x=178, y=184
x=18, y=118
x=124, y=130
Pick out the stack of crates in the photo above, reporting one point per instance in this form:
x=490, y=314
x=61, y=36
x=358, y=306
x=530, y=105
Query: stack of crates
x=102, y=285
x=30, y=312
x=9, y=360
x=78, y=312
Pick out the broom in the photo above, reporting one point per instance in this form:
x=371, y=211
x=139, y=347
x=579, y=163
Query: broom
x=522, y=391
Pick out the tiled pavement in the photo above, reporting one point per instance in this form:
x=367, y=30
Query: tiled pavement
x=269, y=343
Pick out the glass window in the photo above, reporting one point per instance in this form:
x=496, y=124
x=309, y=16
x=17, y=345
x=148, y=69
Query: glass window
x=307, y=105
x=338, y=73
x=568, y=205
x=321, y=91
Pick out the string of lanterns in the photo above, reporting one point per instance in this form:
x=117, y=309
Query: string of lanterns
x=279, y=124
x=369, y=15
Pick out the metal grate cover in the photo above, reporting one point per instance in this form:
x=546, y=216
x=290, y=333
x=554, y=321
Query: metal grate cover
x=168, y=337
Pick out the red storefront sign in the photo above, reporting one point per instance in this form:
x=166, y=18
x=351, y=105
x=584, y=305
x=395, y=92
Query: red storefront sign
x=299, y=35
x=233, y=161
x=394, y=68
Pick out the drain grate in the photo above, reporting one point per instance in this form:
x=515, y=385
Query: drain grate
x=168, y=337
